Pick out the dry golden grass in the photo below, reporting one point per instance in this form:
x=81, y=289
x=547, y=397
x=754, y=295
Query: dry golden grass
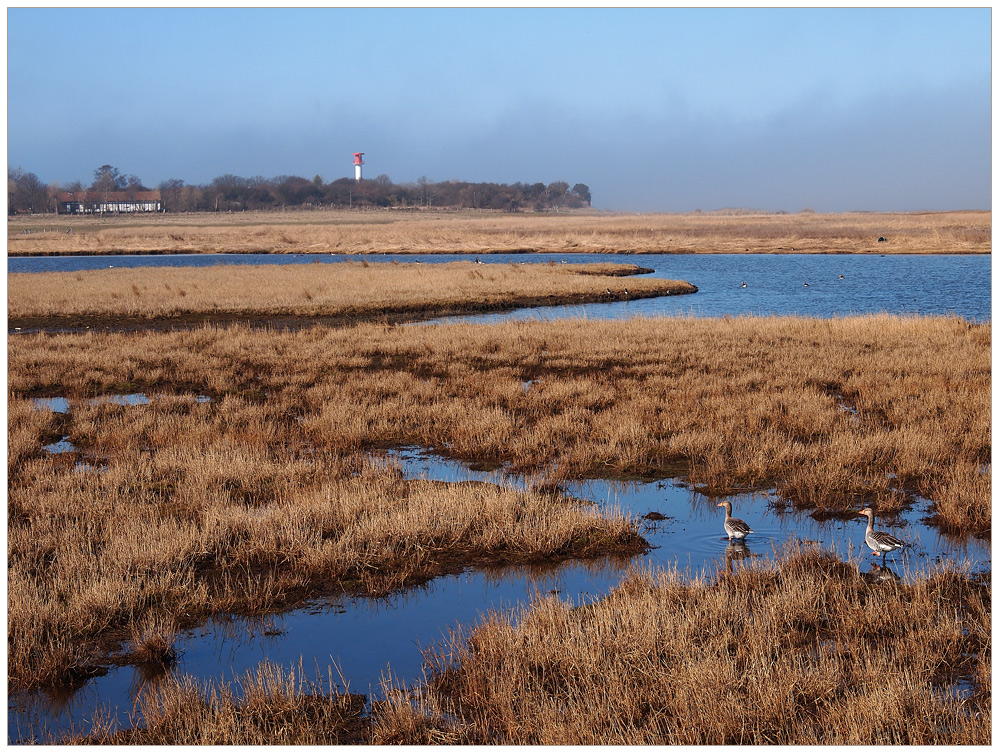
x=800, y=652
x=242, y=502
x=198, y=508
x=831, y=412
x=273, y=706
x=347, y=290
x=339, y=231
x=248, y=501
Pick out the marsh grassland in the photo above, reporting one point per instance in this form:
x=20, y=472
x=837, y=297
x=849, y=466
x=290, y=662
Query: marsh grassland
x=802, y=651
x=346, y=232
x=143, y=297
x=250, y=482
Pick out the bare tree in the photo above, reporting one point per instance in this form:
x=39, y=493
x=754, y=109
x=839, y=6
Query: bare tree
x=133, y=185
x=25, y=192
x=170, y=192
x=108, y=179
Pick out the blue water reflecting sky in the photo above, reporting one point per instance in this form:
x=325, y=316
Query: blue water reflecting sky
x=894, y=283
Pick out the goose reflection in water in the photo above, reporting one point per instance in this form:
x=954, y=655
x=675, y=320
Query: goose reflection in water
x=738, y=550
x=881, y=574
x=735, y=552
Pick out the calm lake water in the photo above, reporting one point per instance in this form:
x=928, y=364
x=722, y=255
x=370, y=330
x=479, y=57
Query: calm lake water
x=372, y=639
x=898, y=284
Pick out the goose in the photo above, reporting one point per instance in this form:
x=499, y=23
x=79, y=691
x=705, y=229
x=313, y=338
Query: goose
x=879, y=541
x=734, y=527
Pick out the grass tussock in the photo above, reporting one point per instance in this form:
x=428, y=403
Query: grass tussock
x=345, y=232
x=153, y=640
x=800, y=652
x=344, y=290
x=269, y=707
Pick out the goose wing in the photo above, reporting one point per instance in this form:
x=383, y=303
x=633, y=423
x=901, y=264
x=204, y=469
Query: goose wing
x=886, y=540
x=738, y=524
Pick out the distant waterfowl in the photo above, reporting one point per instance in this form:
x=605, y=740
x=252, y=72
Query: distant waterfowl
x=879, y=541
x=626, y=293
x=841, y=277
x=734, y=527
x=743, y=284
x=805, y=285
x=607, y=291
x=881, y=239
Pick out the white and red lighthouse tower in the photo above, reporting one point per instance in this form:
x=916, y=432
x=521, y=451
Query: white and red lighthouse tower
x=358, y=162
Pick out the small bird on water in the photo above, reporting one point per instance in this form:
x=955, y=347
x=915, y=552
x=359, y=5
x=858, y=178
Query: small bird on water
x=744, y=284
x=734, y=527
x=879, y=541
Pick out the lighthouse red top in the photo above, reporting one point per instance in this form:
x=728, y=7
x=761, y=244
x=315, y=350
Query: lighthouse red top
x=357, y=158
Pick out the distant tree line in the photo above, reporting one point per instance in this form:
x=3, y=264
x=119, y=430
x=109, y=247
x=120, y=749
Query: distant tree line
x=26, y=193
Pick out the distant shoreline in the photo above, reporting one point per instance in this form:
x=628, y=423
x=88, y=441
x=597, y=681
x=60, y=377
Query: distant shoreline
x=526, y=252
x=386, y=232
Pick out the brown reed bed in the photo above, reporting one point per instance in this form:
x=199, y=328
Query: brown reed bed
x=263, y=495
x=346, y=232
x=832, y=413
x=273, y=706
x=151, y=297
x=802, y=651
x=188, y=509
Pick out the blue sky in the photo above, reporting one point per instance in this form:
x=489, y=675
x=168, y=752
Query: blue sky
x=654, y=109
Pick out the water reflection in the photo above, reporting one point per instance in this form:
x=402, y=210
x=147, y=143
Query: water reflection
x=880, y=574
x=63, y=446
x=59, y=405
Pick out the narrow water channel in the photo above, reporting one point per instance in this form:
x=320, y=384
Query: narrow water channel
x=368, y=640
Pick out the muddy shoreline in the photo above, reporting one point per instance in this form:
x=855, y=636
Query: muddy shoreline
x=280, y=321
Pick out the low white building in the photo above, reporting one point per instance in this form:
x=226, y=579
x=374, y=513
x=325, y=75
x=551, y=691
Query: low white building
x=99, y=202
